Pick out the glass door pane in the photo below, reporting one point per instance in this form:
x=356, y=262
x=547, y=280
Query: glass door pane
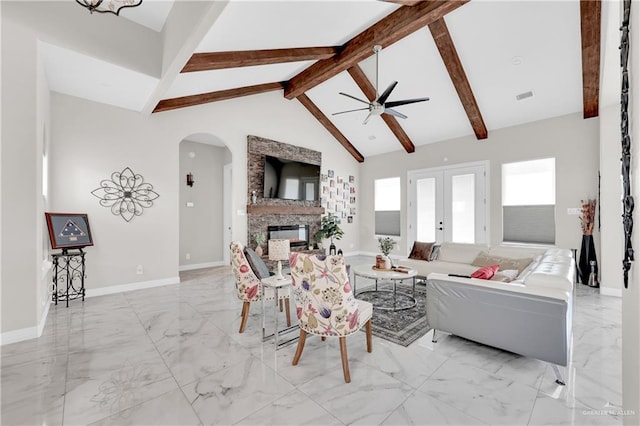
x=463, y=211
x=426, y=210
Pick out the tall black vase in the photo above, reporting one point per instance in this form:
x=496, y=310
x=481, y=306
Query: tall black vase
x=587, y=255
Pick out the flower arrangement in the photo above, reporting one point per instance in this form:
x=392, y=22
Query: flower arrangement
x=386, y=245
x=588, y=216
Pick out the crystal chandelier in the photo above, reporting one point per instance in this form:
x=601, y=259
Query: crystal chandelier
x=108, y=6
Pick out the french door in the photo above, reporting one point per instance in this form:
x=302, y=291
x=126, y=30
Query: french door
x=448, y=204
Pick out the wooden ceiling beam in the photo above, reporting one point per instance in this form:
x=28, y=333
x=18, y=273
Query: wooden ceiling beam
x=370, y=92
x=452, y=62
x=315, y=111
x=246, y=58
x=385, y=32
x=192, y=100
x=590, y=18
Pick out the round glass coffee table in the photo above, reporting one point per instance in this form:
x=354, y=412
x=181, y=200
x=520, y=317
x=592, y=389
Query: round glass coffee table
x=398, y=300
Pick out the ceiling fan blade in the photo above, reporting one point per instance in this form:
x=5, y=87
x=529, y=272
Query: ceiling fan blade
x=368, y=117
x=351, y=110
x=394, y=113
x=383, y=98
x=353, y=97
x=404, y=102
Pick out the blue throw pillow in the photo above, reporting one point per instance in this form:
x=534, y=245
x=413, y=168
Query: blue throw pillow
x=257, y=264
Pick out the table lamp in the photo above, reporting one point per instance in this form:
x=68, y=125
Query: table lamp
x=279, y=250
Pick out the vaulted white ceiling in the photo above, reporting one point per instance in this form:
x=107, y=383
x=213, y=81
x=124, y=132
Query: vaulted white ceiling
x=506, y=48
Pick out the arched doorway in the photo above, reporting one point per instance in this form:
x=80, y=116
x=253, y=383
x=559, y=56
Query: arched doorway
x=204, y=202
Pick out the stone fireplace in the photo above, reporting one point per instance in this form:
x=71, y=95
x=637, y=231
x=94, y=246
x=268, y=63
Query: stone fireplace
x=292, y=216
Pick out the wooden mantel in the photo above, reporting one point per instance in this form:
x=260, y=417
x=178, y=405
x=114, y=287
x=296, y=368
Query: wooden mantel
x=262, y=209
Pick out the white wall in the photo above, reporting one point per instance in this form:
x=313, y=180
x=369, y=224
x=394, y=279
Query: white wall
x=570, y=139
x=201, y=226
x=25, y=115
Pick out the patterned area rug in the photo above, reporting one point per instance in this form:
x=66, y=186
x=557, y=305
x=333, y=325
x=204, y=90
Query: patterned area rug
x=404, y=326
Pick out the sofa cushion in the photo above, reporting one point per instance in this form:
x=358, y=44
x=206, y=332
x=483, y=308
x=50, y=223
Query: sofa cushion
x=435, y=251
x=505, y=276
x=421, y=251
x=486, y=272
x=486, y=259
x=513, y=251
x=257, y=264
x=460, y=253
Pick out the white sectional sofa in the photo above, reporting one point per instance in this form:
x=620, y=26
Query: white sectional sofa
x=530, y=316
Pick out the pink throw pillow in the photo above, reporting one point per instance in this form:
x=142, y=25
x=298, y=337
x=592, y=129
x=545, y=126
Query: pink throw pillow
x=486, y=272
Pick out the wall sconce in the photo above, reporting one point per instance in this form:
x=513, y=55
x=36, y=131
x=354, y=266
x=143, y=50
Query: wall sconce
x=190, y=180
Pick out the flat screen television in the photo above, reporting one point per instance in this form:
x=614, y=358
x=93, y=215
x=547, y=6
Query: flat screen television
x=291, y=180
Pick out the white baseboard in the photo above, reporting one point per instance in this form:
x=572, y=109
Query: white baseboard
x=201, y=265
x=28, y=333
x=19, y=335
x=102, y=291
x=606, y=291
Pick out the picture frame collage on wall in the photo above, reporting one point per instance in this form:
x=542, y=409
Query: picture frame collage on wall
x=338, y=195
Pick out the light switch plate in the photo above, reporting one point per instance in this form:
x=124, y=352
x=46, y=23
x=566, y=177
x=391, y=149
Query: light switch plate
x=574, y=211
x=189, y=203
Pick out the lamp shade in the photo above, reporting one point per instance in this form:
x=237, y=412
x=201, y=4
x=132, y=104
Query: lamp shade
x=279, y=249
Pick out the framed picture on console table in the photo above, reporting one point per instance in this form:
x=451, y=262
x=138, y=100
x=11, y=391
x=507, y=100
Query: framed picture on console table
x=68, y=230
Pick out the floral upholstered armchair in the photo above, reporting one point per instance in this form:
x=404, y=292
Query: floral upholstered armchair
x=248, y=285
x=325, y=305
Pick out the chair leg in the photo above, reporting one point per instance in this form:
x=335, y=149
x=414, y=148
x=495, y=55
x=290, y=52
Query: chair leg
x=298, y=354
x=280, y=304
x=368, y=330
x=245, y=315
x=345, y=359
x=288, y=311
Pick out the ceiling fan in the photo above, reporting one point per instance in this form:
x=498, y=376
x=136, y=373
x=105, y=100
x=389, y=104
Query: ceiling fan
x=380, y=105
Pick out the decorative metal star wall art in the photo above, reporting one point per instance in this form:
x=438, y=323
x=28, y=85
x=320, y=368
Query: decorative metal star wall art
x=126, y=194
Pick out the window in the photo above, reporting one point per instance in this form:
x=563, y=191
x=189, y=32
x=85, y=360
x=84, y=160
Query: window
x=528, y=201
x=387, y=206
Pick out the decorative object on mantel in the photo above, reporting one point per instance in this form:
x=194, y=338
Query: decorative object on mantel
x=330, y=228
x=126, y=194
x=108, y=6
x=254, y=197
x=588, y=263
x=190, y=180
x=627, y=198
x=259, y=238
x=279, y=250
x=386, y=245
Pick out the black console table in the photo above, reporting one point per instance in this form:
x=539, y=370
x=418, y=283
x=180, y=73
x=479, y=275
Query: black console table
x=68, y=275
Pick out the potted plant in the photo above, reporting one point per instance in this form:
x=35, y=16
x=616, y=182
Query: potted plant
x=259, y=238
x=318, y=236
x=330, y=228
x=386, y=245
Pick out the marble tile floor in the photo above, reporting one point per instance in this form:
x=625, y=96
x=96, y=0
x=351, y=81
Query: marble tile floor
x=172, y=355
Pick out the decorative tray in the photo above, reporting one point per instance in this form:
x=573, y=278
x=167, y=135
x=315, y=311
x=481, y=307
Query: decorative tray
x=401, y=269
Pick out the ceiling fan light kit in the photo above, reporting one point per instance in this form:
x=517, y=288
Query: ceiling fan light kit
x=108, y=6
x=380, y=105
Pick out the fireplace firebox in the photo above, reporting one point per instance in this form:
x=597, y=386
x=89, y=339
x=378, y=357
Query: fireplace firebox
x=298, y=235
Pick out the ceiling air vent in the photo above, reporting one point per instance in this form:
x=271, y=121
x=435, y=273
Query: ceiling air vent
x=524, y=95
